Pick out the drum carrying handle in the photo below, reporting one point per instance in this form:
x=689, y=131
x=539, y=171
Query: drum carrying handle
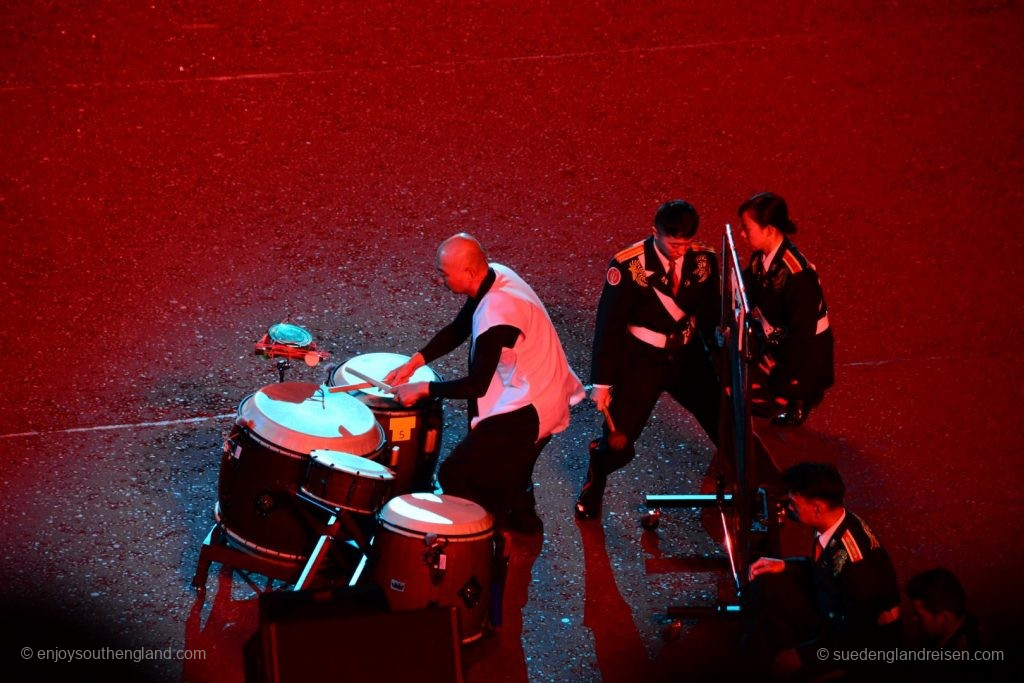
x=435, y=557
x=232, y=446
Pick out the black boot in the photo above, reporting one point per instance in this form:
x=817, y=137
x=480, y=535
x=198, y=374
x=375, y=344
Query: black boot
x=793, y=415
x=588, y=505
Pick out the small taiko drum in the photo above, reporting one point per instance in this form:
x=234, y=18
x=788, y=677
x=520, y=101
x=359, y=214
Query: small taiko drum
x=267, y=457
x=413, y=433
x=347, y=481
x=437, y=550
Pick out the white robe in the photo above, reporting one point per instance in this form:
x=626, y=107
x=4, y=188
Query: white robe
x=535, y=370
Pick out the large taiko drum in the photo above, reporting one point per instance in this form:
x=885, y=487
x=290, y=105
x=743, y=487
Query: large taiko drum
x=415, y=431
x=436, y=550
x=267, y=458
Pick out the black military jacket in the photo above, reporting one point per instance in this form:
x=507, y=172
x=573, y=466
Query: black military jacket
x=790, y=298
x=629, y=298
x=855, y=587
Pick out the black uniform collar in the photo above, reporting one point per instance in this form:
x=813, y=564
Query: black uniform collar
x=485, y=286
x=759, y=257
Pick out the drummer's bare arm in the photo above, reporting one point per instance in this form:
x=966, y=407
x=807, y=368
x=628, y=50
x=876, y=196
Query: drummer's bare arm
x=486, y=354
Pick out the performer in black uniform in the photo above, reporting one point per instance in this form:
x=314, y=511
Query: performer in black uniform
x=795, y=366
x=938, y=606
x=655, y=326
x=844, y=595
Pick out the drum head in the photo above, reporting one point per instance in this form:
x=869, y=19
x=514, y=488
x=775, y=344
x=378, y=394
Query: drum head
x=302, y=417
x=442, y=515
x=353, y=464
x=378, y=365
x=289, y=335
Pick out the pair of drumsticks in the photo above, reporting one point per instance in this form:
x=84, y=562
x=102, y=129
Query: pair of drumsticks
x=365, y=384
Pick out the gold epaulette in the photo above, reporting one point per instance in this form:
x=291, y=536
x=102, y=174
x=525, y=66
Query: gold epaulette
x=630, y=252
x=792, y=262
x=867, y=532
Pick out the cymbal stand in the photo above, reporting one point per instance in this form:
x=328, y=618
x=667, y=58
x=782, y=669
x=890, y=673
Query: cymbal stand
x=282, y=365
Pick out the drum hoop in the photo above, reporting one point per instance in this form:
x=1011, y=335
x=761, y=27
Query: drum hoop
x=403, y=412
x=299, y=455
x=379, y=476
x=374, y=402
x=335, y=504
x=269, y=445
x=255, y=547
x=386, y=475
x=284, y=450
x=457, y=538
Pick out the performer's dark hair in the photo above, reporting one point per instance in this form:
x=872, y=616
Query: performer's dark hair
x=769, y=208
x=815, y=480
x=938, y=589
x=677, y=218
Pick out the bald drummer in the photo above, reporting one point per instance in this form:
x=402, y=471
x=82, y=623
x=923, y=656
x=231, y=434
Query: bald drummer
x=519, y=385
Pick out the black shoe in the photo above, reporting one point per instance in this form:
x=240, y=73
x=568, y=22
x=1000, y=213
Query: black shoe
x=793, y=415
x=586, y=513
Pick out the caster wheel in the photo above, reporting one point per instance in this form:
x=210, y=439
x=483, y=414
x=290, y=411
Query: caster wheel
x=672, y=631
x=650, y=520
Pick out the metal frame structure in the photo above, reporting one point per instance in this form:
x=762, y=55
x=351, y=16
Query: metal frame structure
x=742, y=506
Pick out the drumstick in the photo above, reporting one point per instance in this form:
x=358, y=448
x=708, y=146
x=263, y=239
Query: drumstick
x=608, y=418
x=350, y=387
x=374, y=382
x=617, y=440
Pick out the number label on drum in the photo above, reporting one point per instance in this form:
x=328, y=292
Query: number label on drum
x=401, y=428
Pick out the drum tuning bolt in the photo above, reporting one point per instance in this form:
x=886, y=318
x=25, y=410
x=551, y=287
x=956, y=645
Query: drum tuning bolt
x=435, y=543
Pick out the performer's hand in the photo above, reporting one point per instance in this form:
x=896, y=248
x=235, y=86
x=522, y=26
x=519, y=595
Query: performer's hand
x=402, y=373
x=408, y=394
x=601, y=396
x=766, y=565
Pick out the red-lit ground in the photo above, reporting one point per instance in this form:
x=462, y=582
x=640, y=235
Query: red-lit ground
x=178, y=177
